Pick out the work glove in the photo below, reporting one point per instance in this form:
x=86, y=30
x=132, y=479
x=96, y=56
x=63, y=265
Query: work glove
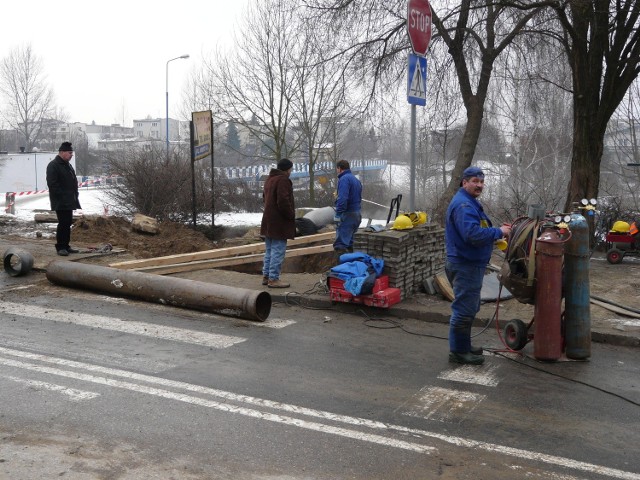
x=336, y=218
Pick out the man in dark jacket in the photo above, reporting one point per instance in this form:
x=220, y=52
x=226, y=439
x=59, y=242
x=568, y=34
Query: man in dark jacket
x=348, y=203
x=469, y=238
x=278, y=222
x=63, y=195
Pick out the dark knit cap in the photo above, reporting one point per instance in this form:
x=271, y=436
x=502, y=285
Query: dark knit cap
x=285, y=164
x=65, y=147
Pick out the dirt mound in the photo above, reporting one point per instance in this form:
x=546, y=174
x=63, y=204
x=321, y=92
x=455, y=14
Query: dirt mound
x=173, y=238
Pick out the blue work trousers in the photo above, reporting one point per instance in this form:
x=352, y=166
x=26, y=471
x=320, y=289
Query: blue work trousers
x=348, y=225
x=273, y=257
x=466, y=281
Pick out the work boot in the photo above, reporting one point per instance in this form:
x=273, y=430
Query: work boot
x=73, y=250
x=277, y=284
x=476, y=350
x=337, y=253
x=63, y=253
x=265, y=280
x=466, y=358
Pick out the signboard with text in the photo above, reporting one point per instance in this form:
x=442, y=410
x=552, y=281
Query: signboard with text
x=202, y=139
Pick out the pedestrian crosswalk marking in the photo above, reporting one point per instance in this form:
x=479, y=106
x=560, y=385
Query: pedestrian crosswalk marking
x=74, y=394
x=212, y=340
x=471, y=374
x=443, y=404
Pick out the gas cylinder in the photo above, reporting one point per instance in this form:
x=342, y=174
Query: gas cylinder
x=547, y=340
x=577, y=313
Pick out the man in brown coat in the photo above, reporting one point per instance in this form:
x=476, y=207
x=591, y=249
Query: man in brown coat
x=278, y=222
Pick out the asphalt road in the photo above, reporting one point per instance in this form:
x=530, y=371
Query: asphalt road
x=93, y=387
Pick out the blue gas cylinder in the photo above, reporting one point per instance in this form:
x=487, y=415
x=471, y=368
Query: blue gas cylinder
x=577, y=312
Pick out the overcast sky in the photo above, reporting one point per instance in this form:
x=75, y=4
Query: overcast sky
x=106, y=61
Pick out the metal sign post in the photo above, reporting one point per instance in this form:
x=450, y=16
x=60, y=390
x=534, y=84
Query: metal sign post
x=419, y=30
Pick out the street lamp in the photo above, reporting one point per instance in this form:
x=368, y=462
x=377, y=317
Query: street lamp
x=167, y=92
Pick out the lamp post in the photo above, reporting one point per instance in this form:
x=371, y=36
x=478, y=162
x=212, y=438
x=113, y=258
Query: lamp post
x=167, y=92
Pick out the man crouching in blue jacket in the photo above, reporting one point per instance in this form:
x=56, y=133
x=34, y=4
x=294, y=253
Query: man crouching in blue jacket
x=469, y=238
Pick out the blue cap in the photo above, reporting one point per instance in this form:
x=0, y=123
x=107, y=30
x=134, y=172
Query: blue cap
x=473, y=172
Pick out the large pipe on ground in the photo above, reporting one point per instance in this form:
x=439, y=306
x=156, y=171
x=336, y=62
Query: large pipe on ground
x=180, y=292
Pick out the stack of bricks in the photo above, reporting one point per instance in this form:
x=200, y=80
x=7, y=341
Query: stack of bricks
x=410, y=256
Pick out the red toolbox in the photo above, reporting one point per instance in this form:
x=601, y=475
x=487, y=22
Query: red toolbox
x=384, y=298
x=381, y=283
x=340, y=295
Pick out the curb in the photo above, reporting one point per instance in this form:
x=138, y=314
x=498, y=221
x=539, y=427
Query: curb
x=399, y=311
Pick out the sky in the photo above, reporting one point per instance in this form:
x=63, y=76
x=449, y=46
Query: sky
x=107, y=61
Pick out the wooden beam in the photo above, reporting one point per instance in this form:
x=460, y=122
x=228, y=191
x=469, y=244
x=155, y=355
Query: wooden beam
x=228, y=252
x=227, y=262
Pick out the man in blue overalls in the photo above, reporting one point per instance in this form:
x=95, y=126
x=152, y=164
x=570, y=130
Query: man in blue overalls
x=469, y=238
x=348, y=203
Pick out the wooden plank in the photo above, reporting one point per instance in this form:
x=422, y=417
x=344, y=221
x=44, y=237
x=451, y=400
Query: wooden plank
x=442, y=282
x=217, y=253
x=227, y=262
x=614, y=308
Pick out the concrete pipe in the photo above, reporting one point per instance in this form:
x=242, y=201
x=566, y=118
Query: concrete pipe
x=17, y=262
x=321, y=217
x=180, y=292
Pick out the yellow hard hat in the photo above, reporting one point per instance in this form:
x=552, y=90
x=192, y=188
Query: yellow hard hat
x=620, y=227
x=402, y=222
x=417, y=218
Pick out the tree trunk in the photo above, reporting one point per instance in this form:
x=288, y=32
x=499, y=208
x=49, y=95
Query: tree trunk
x=475, y=113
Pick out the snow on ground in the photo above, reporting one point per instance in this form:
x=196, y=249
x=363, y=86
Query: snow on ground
x=94, y=201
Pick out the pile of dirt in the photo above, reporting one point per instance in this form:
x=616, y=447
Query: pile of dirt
x=173, y=238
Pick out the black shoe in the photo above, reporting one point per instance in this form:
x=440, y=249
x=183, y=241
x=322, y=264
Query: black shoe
x=72, y=250
x=466, y=358
x=476, y=350
x=63, y=253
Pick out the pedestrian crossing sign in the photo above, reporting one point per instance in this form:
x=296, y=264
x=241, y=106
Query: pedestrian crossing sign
x=417, y=80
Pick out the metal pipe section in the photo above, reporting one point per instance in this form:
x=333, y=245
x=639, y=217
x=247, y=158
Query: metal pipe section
x=179, y=292
x=17, y=262
x=577, y=304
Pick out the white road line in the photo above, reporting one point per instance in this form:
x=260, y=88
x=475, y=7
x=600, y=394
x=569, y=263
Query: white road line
x=73, y=393
x=471, y=374
x=90, y=354
x=225, y=407
x=119, y=325
x=362, y=422
x=443, y=405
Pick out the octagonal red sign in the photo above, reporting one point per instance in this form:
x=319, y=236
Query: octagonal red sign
x=419, y=25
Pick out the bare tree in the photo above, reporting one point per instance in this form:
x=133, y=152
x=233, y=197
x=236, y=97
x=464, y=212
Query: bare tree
x=602, y=41
x=319, y=98
x=252, y=86
x=28, y=95
x=474, y=33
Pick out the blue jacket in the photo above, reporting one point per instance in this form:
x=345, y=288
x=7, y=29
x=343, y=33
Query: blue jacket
x=349, y=193
x=469, y=235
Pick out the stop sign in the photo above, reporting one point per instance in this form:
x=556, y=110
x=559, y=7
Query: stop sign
x=419, y=25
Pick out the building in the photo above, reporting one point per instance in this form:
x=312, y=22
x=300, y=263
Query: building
x=156, y=128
